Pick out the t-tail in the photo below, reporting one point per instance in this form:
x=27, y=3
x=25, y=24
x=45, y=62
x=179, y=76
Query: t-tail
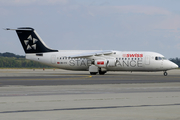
x=31, y=41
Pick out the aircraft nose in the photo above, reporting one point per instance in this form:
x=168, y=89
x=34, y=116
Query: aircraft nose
x=174, y=66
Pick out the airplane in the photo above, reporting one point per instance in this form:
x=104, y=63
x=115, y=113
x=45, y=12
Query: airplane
x=94, y=61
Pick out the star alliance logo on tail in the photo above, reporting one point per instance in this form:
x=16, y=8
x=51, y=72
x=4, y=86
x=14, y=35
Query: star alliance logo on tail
x=30, y=43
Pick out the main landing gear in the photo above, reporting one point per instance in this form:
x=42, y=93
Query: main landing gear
x=102, y=72
x=165, y=73
x=93, y=73
x=94, y=70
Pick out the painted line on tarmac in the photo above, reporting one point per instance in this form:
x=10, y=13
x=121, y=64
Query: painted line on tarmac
x=90, y=108
x=68, y=78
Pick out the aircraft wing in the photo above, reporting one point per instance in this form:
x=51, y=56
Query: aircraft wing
x=97, y=53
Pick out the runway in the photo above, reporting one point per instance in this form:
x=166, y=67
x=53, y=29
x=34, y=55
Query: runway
x=78, y=78
x=58, y=94
x=85, y=80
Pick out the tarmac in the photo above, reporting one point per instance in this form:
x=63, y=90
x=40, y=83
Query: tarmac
x=114, y=100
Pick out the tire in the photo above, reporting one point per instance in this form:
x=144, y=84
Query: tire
x=93, y=73
x=165, y=73
x=102, y=73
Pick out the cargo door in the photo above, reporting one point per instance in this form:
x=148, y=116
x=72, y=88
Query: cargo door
x=161, y=63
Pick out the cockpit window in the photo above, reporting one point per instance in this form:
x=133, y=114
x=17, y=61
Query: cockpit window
x=160, y=58
x=163, y=58
x=156, y=58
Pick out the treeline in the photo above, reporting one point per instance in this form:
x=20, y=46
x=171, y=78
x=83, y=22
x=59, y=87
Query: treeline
x=175, y=60
x=7, y=54
x=10, y=60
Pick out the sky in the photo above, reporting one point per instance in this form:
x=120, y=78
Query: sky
x=124, y=25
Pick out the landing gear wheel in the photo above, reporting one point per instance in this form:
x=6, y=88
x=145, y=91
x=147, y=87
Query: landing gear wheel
x=165, y=73
x=93, y=73
x=102, y=73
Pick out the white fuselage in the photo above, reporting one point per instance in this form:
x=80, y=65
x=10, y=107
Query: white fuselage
x=94, y=61
x=124, y=60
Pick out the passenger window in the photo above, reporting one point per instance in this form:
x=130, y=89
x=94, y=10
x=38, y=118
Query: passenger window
x=125, y=58
x=128, y=58
x=132, y=58
x=119, y=58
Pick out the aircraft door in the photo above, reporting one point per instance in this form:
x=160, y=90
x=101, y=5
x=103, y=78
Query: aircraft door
x=161, y=64
x=53, y=59
x=147, y=60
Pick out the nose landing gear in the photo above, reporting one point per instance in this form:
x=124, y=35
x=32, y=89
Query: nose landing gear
x=165, y=73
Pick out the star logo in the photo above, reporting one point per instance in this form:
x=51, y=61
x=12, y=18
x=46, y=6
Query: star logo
x=30, y=43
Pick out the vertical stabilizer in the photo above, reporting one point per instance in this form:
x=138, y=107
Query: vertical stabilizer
x=31, y=42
